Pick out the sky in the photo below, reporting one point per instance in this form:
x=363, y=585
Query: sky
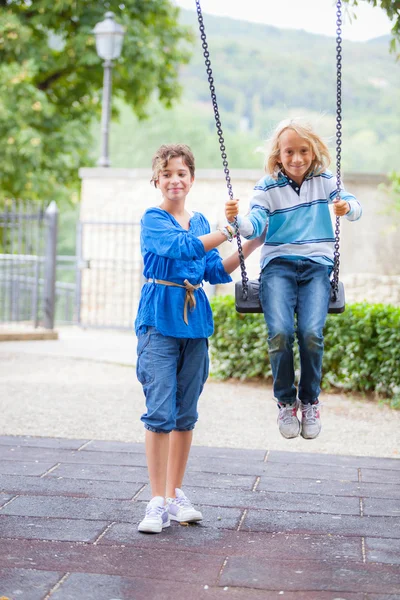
x=315, y=16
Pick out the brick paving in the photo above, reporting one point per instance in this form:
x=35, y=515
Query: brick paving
x=297, y=526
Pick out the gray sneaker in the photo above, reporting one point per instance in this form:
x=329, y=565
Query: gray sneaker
x=288, y=423
x=156, y=517
x=310, y=420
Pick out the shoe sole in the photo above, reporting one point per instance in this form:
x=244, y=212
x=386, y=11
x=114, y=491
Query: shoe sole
x=144, y=529
x=310, y=437
x=194, y=520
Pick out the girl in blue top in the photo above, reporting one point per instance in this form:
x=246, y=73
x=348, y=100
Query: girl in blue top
x=296, y=261
x=173, y=323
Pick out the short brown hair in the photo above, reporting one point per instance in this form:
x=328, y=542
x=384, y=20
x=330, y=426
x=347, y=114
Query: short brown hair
x=165, y=153
x=305, y=131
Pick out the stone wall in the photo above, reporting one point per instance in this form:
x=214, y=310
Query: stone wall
x=369, y=247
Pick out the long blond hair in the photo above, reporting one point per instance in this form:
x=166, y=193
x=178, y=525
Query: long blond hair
x=304, y=130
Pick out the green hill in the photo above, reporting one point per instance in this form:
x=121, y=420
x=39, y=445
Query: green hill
x=262, y=75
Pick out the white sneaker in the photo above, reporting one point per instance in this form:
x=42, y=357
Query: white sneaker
x=156, y=517
x=181, y=509
x=288, y=423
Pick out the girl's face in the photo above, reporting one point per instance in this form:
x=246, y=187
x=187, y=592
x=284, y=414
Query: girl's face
x=296, y=155
x=175, y=180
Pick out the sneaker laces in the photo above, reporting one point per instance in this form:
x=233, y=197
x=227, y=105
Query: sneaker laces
x=310, y=411
x=154, y=510
x=286, y=413
x=182, y=501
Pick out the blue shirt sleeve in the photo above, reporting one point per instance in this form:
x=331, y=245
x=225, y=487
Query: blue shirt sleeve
x=214, y=272
x=162, y=235
x=253, y=224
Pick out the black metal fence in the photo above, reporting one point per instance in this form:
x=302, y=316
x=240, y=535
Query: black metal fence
x=109, y=273
x=21, y=263
x=28, y=238
x=99, y=287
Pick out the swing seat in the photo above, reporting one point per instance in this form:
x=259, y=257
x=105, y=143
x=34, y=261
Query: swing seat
x=337, y=304
x=252, y=304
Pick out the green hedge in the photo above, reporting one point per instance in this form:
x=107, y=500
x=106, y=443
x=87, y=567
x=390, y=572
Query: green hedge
x=362, y=347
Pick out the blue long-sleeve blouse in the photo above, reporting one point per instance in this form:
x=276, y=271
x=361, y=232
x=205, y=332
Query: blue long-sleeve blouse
x=171, y=253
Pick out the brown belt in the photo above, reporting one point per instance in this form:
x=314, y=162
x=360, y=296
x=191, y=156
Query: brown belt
x=189, y=296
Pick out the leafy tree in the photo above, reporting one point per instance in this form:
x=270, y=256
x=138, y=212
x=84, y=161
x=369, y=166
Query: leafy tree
x=392, y=9
x=51, y=81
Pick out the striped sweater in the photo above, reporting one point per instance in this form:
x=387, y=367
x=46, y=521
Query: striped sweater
x=298, y=217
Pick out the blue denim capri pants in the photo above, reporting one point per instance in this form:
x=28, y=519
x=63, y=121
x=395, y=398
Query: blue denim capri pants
x=172, y=372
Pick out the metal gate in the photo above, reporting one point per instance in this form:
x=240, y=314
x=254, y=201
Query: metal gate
x=37, y=287
x=110, y=273
x=99, y=287
x=22, y=247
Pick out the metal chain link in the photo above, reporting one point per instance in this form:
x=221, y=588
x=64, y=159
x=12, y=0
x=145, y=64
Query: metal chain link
x=218, y=125
x=335, y=278
x=206, y=53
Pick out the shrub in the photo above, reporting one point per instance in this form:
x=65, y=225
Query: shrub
x=362, y=347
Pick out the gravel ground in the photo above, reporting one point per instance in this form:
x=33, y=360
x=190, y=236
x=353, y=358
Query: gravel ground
x=59, y=396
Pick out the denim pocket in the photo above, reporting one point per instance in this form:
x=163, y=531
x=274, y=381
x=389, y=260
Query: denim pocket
x=144, y=363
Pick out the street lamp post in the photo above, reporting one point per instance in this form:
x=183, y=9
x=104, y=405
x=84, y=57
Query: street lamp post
x=109, y=37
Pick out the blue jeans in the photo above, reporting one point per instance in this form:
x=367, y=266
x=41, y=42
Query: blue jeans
x=290, y=287
x=172, y=372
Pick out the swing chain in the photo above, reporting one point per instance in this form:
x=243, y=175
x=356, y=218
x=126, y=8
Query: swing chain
x=218, y=125
x=335, y=278
x=206, y=53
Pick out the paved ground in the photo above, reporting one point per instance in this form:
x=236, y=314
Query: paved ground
x=301, y=520
x=276, y=525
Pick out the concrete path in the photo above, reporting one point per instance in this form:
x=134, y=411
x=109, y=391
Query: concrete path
x=101, y=345
x=84, y=386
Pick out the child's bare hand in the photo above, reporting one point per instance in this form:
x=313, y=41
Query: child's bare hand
x=231, y=209
x=341, y=208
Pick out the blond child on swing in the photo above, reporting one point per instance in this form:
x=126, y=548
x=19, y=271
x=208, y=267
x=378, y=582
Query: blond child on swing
x=297, y=257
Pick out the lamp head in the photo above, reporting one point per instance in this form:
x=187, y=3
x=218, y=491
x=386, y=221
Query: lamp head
x=109, y=37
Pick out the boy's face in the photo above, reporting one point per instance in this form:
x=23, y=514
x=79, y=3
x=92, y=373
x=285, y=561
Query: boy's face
x=295, y=155
x=175, y=180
